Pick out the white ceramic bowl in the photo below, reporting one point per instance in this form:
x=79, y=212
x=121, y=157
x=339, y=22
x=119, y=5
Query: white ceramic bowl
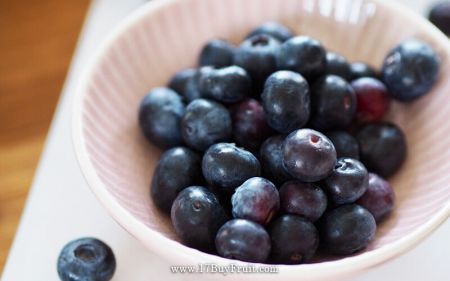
x=166, y=35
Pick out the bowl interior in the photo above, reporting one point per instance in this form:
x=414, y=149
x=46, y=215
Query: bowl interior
x=162, y=40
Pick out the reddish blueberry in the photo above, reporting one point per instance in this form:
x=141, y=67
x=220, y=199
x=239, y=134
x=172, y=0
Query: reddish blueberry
x=379, y=197
x=372, y=99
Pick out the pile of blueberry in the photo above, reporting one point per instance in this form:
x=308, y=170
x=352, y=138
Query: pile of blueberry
x=276, y=146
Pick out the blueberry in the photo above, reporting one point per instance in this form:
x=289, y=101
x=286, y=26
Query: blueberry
x=372, y=99
x=178, y=168
x=410, y=70
x=347, y=229
x=333, y=103
x=303, y=199
x=160, y=113
x=338, y=65
x=344, y=143
x=229, y=84
x=274, y=29
x=347, y=182
x=308, y=155
x=271, y=157
x=217, y=53
x=286, y=101
x=204, y=123
x=257, y=56
x=86, y=259
x=360, y=69
x=379, y=197
x=294, y=240
x=243, y=240
x=196, y=216
x=250, y=127
x=227, y=166
x=304, y=55
x=382, y=147
x=257, y=200
x=440, y=16
x=180, y=80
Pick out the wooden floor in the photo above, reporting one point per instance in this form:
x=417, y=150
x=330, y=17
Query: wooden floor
x=37, y=39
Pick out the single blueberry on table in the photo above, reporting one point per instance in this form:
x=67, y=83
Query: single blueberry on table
x=257, y=200
x=372, y=99
x=177, y=169
x=410, y=70
x=308, y=155
x=257, y=56
x=228, y=84
x=345, y=144
x=204, y=123
x=294, y=240
x=196, y=216
x=333, y=103
x=271, y=157
x=250, y=128
x=347, y=182
x=347, y=229
x=304, y=55
x=217, y=53
x=382, y=147
x=303, y=199
x=180, y=80
x=360, y=70
x=159, y=117
x=226, y=166
x=274, y=29
x=86, y=259
x=379, y=197
x=286, y=101
x=243, y=240
x=338, y=65
x=440, y=16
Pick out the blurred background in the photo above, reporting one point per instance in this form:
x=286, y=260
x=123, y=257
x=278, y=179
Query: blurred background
x=36, y=46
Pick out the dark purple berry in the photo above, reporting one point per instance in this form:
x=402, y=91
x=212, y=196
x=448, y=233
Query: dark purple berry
x=271, y=157
x=308, y=155
x=160, y=113
x=196, y=216
x=294, y=240
x=344, y=143
x=440, y=16
x=372, y=99
x=382, y=147
x=274, y=29
x=243, y=240
x=286, y=101
x=303, y=199
x=338, y=65
x=410, y=70
x=347, y=182
x=304, y=55
x=177, y=169
x=333, y=103
x=360, y=70
x=226, y=166
x=347, y=229
x=228, y=85
x=86, y=259
x=250, y=128
x=257, y=56
x=217, y=53
x=180, y=80
x=379, y=197
x=204, y=123
x=257, y=200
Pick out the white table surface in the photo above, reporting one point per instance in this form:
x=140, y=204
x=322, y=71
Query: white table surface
x=60, y=206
